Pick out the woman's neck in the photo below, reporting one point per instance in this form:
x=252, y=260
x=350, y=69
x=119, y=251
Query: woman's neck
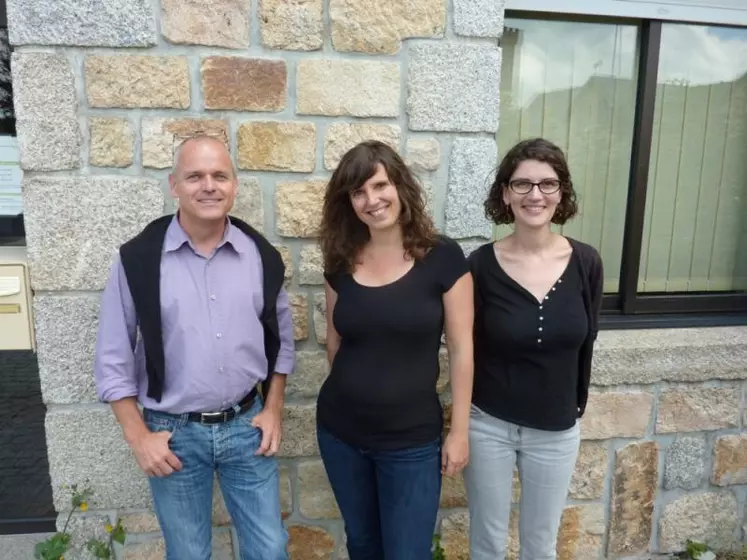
x=533, y=240
x=387, y=239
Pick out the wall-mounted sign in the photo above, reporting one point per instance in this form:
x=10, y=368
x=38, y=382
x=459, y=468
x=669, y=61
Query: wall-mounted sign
x=11, y=203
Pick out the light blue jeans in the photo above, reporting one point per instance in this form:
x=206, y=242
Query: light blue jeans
x=249, y=483
x=546, y=461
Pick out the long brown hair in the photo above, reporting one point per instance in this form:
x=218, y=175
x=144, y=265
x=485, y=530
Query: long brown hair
x=343, y=235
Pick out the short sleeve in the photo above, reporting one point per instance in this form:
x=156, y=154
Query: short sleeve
x=332, y=279
x=452, y=264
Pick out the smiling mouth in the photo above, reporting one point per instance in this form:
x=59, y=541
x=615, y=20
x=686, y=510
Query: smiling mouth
x=534, y=209
x=379, y=212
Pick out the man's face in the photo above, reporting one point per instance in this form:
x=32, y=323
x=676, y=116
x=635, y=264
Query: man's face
x=203, y=180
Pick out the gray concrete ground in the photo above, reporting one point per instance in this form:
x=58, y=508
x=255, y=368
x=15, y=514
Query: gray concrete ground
x=19, y=547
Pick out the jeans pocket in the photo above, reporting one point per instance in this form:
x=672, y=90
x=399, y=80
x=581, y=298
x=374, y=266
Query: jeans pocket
x=158, y=423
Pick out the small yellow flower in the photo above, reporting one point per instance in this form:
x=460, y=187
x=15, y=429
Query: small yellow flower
x=84, y=507
x=108, y=528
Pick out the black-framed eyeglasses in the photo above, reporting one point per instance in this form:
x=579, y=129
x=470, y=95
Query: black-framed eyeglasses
x=525, y=186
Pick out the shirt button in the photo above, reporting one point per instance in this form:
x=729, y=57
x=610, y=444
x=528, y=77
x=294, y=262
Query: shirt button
x=547, y=297
x=540, y=329
x=539, y=340
x=218, y=335
x=540, y=307
x=541, y=318
x=553, y=288
x=220, y=369
x=212, y=297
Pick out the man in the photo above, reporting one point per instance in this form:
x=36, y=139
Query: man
x=194, y=319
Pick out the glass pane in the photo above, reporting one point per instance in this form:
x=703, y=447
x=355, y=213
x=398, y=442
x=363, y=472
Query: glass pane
x=695, y=235
x=575, y=84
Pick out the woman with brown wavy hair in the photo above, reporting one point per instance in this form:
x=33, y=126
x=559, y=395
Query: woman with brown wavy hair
x=392, y=286
x=537, y=298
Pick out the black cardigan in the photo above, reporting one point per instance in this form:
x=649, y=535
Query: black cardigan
x=141, y=260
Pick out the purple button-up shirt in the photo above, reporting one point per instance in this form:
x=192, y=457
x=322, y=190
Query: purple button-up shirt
x=212, y=335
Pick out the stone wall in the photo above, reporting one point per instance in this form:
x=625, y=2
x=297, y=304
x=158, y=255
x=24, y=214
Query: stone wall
x=100, y=90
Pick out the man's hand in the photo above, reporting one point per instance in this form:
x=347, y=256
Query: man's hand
x=270, y=424
x=454, y=453
x=153, y=455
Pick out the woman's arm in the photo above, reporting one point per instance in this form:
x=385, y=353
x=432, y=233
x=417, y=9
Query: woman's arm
x=333, y=339
x=459, y=319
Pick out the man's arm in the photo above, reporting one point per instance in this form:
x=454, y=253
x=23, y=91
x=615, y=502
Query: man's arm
x=116, y=379
x=269, y=420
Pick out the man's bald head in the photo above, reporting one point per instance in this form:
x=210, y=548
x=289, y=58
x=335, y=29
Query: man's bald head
x=185, y=151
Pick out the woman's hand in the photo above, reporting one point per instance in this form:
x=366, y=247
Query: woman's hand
x=454, y=453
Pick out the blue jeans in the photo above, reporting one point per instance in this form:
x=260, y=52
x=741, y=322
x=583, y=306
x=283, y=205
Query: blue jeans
x=388, y=499
x=249, y=483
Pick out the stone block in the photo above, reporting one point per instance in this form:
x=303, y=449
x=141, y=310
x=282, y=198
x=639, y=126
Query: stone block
x=478, y=18
x=140, y=522
x=311, y=371
x=299, y=206
x=66, y=335
x=310, y=543
x=299, y=431
x=341, y=137
x=581, y=532
x=471, y=164
x=294, y=25
x=316, y=500
x=708, y=517
x=591, y=469
x=355, y=88
x=730, y=460
x=633, y=493
x=453, y=87
x=647, y=356
x=137, y=81
x=685, y=463
x=380, y=27
x=455, y=536
x=311, y=268
x=625, y=414
x=74, y=225
x=81, y=528
x=444, y=377
x=161, y=136
x=320, y=318
x=152, y=549
x=423, y=154
x=285, y=254
x=112, y=142
x=699, y=409
x=299, y=305
x=217, y=23
x=45, y=106
x=82, y=23
x=453, y=492
x=87, y=442
x=248, y=205
x=277, y=146
x=233, y=83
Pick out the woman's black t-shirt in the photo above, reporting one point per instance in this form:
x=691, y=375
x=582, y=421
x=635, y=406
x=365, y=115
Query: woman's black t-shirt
x=527, y=352
x=381, y=390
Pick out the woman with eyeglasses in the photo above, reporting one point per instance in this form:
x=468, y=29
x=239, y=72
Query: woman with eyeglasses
x=537, y=300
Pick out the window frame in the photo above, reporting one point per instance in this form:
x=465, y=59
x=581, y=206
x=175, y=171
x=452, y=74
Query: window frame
x=629, y=308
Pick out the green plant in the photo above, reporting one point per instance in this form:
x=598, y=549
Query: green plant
x=438, y=552
x=55, y=547
x=695, y=549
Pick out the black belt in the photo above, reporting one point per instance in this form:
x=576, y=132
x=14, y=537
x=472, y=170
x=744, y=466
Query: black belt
x=224, y=415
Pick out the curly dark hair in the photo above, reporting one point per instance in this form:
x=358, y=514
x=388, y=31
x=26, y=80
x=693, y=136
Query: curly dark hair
x=343, y=235
x=536, y=149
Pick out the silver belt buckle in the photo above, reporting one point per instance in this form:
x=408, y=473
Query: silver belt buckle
x=211, y=414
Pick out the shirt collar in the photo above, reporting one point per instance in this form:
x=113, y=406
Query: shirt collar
x=176, y=237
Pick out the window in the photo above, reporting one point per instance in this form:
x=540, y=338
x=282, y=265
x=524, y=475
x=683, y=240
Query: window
x=11, y=211
x=653, y=119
